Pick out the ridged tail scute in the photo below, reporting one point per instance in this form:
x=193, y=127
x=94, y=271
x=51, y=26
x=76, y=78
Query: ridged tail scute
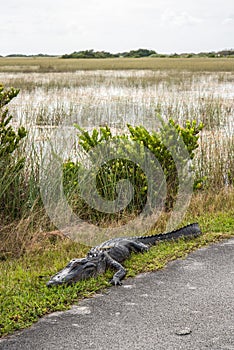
x=191, y=230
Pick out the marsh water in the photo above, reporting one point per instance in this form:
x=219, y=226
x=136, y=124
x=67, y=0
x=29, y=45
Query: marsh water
x=49, y=104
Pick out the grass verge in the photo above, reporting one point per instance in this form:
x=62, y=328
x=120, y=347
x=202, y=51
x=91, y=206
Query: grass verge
x=24, y=296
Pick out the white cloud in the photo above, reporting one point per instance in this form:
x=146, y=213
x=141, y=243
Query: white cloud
x=170, y=17
x=61, y=26
x=228, y=20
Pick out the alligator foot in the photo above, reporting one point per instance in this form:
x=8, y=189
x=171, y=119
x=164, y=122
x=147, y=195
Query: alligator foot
x=116, y=281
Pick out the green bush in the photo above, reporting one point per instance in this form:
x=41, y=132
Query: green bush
x=113, y=170
x=10, y=163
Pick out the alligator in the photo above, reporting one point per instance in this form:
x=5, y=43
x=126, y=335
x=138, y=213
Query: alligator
x=111, y=253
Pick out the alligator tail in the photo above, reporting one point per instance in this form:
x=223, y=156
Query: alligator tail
x=191, y=230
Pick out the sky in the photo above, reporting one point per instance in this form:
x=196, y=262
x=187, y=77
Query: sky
x=166, y=26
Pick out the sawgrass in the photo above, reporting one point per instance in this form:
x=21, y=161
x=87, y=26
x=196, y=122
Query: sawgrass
x=24, y=296
x=56, y=64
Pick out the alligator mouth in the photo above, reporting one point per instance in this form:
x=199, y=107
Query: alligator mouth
x=75, y=270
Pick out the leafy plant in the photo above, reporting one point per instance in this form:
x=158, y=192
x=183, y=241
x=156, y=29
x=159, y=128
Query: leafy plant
x=163, y=145
x=116, y=168
x=10, y=140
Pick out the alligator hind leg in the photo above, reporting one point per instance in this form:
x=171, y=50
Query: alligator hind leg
x=138, y=247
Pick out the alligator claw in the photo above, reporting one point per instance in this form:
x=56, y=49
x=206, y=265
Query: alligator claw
x=116, y=282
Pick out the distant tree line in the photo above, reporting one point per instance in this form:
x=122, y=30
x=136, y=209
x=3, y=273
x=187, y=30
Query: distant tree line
x=132, y=54
x=145, y=53
x=23, y=55
x=104, y=54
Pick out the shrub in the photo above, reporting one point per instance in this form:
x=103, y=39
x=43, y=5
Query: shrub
x=115, y=169
x=10, y=163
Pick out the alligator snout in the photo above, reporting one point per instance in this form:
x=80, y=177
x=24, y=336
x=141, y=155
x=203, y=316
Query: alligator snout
x=76, y=270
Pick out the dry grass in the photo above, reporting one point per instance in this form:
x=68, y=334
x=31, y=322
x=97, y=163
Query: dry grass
x=56, y=64
x=20, y=237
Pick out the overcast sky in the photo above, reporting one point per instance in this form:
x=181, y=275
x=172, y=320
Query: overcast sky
x=64, y=26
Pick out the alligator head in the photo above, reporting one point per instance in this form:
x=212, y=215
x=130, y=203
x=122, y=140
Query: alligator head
x=76, y=270
x=80, y=269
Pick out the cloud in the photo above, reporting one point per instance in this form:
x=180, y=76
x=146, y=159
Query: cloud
x=228, y=20
x=60, y=26
x=179, y=19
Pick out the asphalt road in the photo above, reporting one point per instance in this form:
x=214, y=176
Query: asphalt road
x=189, y=305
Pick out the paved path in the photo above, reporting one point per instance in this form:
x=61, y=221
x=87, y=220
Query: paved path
x=189, y=305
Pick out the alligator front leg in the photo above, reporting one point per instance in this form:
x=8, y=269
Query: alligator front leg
x=121, y=272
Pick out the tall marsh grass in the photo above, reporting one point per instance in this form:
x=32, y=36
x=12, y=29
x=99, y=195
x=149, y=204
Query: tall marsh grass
x=56, y=64
x=94, y=93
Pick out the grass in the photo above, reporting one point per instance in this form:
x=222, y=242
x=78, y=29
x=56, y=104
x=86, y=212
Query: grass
x=109, y=92
x=25, y=297
x=56, y=64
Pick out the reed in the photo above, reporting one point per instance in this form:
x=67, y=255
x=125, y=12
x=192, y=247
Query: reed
x=115, y=92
